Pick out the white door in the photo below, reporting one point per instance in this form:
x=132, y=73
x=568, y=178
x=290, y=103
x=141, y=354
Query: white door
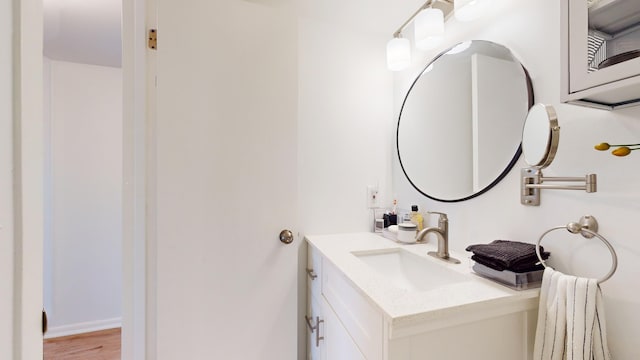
x=225, y=180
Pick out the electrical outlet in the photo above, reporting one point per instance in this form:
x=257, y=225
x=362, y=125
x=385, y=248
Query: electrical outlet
x=372, y=196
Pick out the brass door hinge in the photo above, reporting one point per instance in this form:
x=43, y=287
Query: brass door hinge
x=153, y=39
x=45, y=322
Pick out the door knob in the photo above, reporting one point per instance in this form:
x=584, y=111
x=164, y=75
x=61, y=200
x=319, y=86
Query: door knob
x=286, y=236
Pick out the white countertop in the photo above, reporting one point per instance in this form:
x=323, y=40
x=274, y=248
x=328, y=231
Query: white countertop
x=473, y=299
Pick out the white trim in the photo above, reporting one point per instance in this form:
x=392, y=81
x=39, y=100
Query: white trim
x=6, y=178
x=135, y=327
x=28, y=177
x=81, y=328
x=149, y=222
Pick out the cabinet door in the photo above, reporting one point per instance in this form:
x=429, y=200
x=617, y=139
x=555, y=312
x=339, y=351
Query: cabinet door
x=362, y=320
x=601, y=45
x=314, y=325
x=314, y=271
x=338, y=343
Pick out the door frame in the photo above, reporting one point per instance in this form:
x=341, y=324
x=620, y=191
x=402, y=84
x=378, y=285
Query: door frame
x=138, y=339
x=28, y=175
x=28, y=159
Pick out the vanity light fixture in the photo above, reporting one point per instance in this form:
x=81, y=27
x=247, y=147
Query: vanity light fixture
x=428, y=23
x=429, y=28
x=398, y=54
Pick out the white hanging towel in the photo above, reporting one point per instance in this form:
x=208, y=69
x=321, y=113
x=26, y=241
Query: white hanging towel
x=571, y=322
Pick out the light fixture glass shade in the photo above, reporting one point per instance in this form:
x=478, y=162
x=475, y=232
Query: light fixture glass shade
x=429, y=28
x=467, y=10
x=398, y=54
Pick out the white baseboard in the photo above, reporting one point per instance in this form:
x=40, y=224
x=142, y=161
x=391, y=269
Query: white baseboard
x=85, y=327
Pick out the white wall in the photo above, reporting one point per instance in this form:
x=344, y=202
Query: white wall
x=6, y=181
x=83, y=243
x=344, y=106
x=532, y=31
x=344, y=103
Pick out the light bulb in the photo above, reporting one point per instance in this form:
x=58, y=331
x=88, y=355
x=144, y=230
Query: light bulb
x=398, y=54
x=467, y=10
x=429, y=28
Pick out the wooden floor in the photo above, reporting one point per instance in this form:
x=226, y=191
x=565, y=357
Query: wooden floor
x=99, y=345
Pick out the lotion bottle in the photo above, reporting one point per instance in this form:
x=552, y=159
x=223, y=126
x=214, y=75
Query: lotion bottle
x=416, y=217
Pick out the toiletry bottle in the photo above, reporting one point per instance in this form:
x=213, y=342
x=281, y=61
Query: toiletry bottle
x=393, y=216
x=416, y=217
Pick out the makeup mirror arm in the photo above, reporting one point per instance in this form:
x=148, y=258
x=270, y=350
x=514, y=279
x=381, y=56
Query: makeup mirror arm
x=532, y=181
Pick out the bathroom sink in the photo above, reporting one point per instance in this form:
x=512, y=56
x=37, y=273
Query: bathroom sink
x=409, y=271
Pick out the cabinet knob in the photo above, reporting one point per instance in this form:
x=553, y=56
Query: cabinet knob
x=311, y=274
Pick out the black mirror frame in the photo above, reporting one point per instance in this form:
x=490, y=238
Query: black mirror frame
x=509, y=166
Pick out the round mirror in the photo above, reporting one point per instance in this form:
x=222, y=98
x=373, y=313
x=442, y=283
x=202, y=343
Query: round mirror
x=540, y=136
x=461, y=121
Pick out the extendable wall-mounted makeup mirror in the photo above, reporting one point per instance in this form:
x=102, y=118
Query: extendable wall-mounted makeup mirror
x=540, y=138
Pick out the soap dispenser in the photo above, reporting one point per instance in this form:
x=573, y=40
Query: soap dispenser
x=416, y=217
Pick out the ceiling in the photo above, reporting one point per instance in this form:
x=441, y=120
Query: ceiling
x=89, y=31
x=83, y=31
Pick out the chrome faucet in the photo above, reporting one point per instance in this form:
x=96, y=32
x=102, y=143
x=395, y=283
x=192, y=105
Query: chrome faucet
x=442, y=232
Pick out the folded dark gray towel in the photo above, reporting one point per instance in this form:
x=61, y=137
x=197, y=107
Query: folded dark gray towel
x=507, y=255
x=526, y=265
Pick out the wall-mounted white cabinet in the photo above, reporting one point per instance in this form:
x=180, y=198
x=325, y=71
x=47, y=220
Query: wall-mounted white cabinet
x=601, y=53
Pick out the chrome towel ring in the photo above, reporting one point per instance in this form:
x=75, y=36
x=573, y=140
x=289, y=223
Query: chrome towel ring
x=587, y=227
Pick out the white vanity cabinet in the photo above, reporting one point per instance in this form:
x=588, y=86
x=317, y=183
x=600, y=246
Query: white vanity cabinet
x=353, y=326
x=339, y=344
x=316, y=327
x=600, y=47
x=327, y=338
x=359, y=318
x=314, y=317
